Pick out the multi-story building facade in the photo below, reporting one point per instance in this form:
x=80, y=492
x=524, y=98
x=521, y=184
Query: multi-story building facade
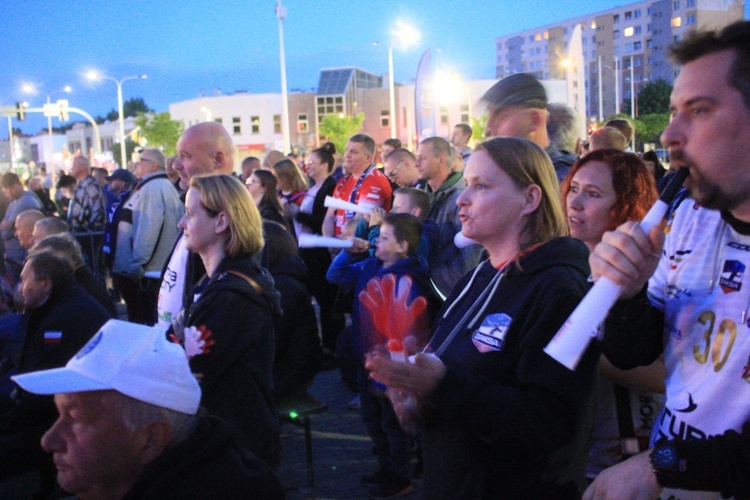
x=629, y=42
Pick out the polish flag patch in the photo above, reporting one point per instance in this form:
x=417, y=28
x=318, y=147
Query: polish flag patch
x=52, y=338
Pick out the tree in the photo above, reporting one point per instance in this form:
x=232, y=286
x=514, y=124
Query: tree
x=651, y=127
x=131, y=107
x=130, y=146
x=654, y=97
x=478, y=126
x=160, y=131
x=338, y=129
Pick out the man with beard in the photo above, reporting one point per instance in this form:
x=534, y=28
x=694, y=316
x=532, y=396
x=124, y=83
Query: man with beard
x=694, y=308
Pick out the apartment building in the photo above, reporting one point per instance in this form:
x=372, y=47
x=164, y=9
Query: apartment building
x=625, y=46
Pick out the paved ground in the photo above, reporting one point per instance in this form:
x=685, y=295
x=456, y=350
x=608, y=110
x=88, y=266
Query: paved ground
x=341, y=449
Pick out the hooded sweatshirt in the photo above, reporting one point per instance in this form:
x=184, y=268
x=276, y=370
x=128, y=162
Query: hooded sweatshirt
x=508, y=421
x=229, y=338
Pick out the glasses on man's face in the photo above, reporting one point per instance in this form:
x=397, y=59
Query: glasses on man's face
x=395, y=170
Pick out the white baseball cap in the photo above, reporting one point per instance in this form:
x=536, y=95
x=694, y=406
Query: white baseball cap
x=133, y=359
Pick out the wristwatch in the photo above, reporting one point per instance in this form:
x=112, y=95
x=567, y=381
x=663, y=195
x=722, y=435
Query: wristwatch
x=665, y=461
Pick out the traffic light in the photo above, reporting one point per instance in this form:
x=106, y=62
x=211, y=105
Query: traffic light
x=63, y=109
x=21, y=111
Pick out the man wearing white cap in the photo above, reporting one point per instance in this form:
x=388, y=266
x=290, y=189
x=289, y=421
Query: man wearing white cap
x=129, y=428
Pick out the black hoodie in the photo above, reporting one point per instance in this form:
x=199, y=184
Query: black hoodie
x=511, y=422
x=234, y=368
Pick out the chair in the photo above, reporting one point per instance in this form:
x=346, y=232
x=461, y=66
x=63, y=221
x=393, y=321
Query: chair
x=296, y=409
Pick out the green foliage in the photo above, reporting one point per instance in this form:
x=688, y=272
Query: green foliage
x=131, y=107
x=478, y=126
x=160, y=131
x=654, y=97
x=130, y=146
x=338, y=130
x=649, y=127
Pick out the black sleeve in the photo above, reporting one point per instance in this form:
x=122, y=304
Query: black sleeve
x=633, y=332
x=719, y=463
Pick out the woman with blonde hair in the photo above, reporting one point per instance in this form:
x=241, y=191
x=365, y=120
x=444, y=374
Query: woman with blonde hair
x=292, y=189
x=499, y=417
x=228, y=333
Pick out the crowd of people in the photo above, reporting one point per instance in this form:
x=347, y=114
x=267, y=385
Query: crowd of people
x=452, y=270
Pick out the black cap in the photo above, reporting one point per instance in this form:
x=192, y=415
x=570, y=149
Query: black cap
x=122, y=174
x=519, y=89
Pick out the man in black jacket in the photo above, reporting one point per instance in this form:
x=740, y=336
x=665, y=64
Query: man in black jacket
x=61, y=317
x=129, y=427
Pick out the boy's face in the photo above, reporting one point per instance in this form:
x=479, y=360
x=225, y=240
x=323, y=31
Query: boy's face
x=401, y=205
x=389, y=249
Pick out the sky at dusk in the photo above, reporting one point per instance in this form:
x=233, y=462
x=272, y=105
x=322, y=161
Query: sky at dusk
x=191, y=46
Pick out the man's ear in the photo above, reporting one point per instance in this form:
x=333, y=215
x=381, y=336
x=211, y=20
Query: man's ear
x=532, y=199
x=218, y=159
x=403, y=247
x=537, y=118
x=156, y=439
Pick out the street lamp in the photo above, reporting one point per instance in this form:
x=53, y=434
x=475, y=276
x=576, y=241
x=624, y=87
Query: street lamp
x=29, y=89
x=407, y=35
x=94, y=75
x=448, y=87
x=281, y=15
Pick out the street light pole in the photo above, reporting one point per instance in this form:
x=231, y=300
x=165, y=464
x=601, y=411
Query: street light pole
x=601, y=104
x=617, y=86
x=392, y=93
x=281, y=15
x=92, y=75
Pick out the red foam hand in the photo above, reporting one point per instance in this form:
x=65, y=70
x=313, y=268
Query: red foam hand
x=392, y=316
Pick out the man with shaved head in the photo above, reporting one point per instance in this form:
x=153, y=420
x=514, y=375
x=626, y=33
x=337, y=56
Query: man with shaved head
x=47, y=227
x=203, y=149
x=606, y=138
x=25, y=226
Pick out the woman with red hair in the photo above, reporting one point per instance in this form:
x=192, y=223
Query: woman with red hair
x=604, y=189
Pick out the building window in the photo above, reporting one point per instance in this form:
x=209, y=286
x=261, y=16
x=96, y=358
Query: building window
x=690, y=19
x=648, y=12
x=538, y=37
x=443, y=114
x=676, y=22
x=637, y=13
x=465, y=113
x=637, y=30
x=638, y=46
x=649, y=43
x=219, y=120
x=385, y=118
x=629, y=47
x=637, y=62
x=593, y=25
x=690, y=3
x=617, y=50
x=302, y=123
x=676, y=5
x=236, y=125
x=546, y=35
x=616, y=34
x=255, y=124
x=276, y=124
x=616, y=18
x=628, y=31
x=628, y=16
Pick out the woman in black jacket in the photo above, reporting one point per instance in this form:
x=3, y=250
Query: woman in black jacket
x=228, y=332
x=311, y=214
x=501, y=418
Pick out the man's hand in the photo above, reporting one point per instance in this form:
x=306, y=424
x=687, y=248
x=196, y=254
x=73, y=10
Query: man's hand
x=628, y=257
x=632, y=479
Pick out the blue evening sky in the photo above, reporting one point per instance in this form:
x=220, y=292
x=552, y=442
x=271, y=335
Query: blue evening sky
x=191, y=46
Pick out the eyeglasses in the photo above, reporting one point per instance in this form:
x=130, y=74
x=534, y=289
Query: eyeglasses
x=146, y=159
x=395, y=170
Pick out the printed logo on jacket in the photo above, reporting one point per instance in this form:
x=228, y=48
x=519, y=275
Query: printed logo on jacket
x=490, y=336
